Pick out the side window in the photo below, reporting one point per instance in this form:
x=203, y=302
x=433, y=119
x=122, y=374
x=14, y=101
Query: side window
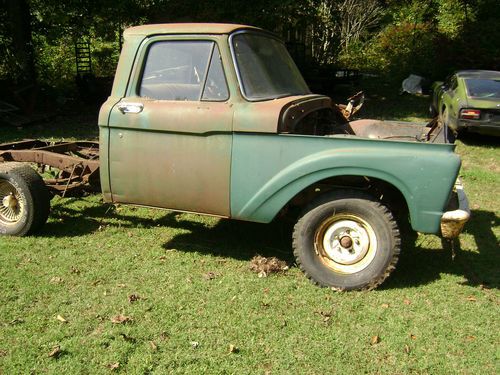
x=453, y=83
x=216, y=85
x=176, y=70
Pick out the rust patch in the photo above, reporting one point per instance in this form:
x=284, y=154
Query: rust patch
x=77, y=163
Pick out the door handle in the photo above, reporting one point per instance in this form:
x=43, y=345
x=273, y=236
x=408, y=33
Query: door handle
x=130, y=107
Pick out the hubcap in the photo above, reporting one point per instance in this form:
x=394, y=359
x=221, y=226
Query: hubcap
x=12, y=206
x=346, y=243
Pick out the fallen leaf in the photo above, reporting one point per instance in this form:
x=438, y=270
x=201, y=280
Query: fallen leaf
x=75, y=270
x=407, y=349
x=133, y=298
x=374, y=340
x=209, y=276
x=56, y=280
x=127, y=338
x=385, y=305
x=120, y=319
x=16, y=321
x=61, y=319
x=326, y=315
x=194, y=344
x=407, y=302
x=471, y=299
x=113, y=366
x=265, y=266
x=412, y=336
x=153, y=345
x=56, y=351
x=233, y=349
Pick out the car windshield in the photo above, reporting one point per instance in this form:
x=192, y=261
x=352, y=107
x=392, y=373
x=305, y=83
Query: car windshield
x=483, y=88
x=266, y=70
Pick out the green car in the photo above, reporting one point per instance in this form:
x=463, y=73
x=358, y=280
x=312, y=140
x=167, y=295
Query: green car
x=469, y=100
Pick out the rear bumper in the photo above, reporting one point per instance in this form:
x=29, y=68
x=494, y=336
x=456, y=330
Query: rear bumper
x=480, y=127
x=453, y=221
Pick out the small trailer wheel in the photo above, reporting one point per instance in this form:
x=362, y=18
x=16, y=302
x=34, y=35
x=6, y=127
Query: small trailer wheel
x=24, y=200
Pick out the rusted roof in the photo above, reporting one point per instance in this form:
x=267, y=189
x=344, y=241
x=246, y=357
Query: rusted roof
x=186, y=28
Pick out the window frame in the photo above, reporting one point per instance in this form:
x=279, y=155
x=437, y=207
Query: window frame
x=237, y=68
x=142, y=56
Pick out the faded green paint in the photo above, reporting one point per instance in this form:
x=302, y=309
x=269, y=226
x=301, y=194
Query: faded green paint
x=265, y=177
x=226, y=158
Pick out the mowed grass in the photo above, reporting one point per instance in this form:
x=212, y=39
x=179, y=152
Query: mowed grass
x=181, y=286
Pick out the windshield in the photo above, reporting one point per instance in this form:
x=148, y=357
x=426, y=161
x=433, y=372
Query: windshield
x=265, y=68
x=483, y=88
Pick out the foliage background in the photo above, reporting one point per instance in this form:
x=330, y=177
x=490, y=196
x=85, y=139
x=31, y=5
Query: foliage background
x=387, y=37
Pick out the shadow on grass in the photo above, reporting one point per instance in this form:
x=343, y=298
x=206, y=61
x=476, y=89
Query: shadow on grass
x=473, y=139
x=420, y=262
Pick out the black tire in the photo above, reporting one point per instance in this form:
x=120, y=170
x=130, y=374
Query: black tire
x=450, y=134
x=370, y=236
x=24, y=200
x=432, y=111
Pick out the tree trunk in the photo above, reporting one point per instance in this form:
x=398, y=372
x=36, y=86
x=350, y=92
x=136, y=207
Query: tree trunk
x=19, y=27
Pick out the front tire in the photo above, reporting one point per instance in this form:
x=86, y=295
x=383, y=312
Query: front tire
x=346, y=240
x=24, y=200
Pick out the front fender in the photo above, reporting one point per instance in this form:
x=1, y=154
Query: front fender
x=264, y=182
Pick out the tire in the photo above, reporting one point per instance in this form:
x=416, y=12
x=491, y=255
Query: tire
x=432, y=111
x=450, y=134
x=370, y=236
x=24, y=200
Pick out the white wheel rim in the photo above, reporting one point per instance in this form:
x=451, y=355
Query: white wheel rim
x=11, y=203
x=345, y=243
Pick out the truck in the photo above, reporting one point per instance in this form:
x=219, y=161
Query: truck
x=216, y=119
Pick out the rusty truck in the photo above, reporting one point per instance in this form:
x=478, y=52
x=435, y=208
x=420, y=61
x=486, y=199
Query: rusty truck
x=216, y=119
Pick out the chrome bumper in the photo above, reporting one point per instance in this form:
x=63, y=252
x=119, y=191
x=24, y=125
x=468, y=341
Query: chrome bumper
x=452, y=222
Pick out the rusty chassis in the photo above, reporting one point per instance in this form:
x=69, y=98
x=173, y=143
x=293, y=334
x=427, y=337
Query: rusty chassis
x=67, y=168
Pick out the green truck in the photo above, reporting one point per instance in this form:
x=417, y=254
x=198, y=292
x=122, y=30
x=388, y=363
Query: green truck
x=216, y=119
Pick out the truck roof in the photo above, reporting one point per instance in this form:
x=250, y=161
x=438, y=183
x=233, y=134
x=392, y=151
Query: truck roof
x=187, y=28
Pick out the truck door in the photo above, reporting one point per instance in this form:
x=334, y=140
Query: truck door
x=170, y=137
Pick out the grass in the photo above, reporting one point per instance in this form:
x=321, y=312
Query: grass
x=184, y=283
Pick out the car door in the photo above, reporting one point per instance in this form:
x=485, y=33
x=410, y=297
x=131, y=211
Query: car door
x=170, y=137
x=450, y=102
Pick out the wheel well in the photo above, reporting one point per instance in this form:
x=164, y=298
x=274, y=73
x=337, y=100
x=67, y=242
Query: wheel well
x=381, y=190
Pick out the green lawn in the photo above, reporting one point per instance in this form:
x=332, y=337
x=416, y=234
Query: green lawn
x=182, y=284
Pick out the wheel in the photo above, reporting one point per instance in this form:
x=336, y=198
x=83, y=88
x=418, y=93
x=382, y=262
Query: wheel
x=432, y=111
x=450, y=134
x=24, y=200
x=346, y=240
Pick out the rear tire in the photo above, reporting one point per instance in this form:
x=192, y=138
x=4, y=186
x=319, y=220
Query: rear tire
x=24, y=200
x=432, y=111
x=346, y=240
x=450, y=134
